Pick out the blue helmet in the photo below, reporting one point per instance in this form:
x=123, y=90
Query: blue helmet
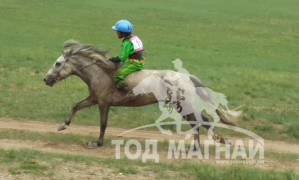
x=123, y=26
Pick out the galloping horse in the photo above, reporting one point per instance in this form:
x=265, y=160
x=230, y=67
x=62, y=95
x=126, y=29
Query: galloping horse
x=93, y=67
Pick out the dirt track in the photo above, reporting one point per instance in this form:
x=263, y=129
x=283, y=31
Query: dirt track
x=45, y=127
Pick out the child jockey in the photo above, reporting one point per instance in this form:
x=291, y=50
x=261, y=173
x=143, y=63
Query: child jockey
x=130, y=54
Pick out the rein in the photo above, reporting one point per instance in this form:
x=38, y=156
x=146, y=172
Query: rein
x=67, y=58
x=88, y=65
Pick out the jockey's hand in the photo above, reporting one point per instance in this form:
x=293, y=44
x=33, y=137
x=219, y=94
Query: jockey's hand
x=115, y=59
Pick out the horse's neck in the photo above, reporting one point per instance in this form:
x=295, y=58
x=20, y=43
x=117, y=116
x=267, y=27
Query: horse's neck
x=96, y=77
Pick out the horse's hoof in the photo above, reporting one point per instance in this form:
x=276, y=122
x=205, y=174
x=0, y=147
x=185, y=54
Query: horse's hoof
x=92, y=145
x=227, y=141
x=62, y=127
x=222, y=140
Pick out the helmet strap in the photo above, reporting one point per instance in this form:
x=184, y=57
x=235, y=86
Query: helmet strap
x=123, y=35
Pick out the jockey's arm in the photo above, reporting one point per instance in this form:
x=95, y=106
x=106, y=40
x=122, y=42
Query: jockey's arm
x=127, y=49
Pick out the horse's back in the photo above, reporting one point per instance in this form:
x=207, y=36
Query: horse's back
x=137, y=77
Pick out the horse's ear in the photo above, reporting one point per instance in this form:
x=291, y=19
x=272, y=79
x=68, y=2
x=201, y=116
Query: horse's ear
x=69, y=46
x=66, y=52
x=69, y=43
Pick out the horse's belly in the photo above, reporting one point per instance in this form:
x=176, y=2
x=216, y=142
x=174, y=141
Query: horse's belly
x=139, y=100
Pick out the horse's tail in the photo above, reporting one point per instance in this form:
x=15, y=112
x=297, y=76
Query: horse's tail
x=205, y=95
x=200, y=88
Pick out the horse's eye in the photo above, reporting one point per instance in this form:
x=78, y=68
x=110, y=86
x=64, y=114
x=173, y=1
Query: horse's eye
x=57, y=64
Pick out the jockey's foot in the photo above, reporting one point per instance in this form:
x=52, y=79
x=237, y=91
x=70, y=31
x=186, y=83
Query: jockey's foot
x=125, y=90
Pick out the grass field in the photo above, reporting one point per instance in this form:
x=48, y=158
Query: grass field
x=30, y=161
x=247, y=50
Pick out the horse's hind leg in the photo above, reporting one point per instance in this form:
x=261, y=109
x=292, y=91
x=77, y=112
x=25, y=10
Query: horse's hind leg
x=80, y=105
x=191, y=118
x=195, y=122
x=216, y=118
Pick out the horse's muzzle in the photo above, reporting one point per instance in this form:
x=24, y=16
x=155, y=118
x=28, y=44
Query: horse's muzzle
x=50, y=81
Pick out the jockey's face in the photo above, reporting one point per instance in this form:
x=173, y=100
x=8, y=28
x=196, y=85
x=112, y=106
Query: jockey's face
x=119, y=34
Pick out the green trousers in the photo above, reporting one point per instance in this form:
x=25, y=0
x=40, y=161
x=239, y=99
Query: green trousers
x=127, y=68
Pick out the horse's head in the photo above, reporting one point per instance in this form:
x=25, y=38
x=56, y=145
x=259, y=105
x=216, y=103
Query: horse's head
x=75, y=59
x=60, y=70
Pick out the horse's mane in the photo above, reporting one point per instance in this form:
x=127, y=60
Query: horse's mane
x=99, y=56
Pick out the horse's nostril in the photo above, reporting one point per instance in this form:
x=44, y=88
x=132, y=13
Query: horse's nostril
x=45, y=80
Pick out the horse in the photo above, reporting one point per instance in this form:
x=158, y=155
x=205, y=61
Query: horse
x=92, y=66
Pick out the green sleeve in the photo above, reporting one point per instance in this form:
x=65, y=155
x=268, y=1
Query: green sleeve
x=126, y=49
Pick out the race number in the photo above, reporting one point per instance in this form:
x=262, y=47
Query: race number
x=137, y=43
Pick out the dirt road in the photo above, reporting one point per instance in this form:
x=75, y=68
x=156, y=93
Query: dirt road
x=46, y=127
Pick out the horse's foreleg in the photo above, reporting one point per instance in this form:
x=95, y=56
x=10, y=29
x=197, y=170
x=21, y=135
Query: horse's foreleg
x=104, y=110
x=80, y=105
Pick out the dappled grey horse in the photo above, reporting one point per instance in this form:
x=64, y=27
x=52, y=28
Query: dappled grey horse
x=93, y=67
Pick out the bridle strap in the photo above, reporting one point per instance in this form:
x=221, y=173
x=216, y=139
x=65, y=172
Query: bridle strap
x=65, y=61
x=88, y=65
x=67, y=58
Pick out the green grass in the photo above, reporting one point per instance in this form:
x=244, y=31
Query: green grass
x=162, y=146
x=29, y=162
x=47, y=137
x=32, y=167
x=244, y=49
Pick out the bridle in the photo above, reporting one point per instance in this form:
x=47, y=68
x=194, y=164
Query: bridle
x=66, y=59
x=61, y=66
x=88, y=65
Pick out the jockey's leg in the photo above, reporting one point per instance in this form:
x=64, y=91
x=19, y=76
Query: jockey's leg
x=123, y=72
